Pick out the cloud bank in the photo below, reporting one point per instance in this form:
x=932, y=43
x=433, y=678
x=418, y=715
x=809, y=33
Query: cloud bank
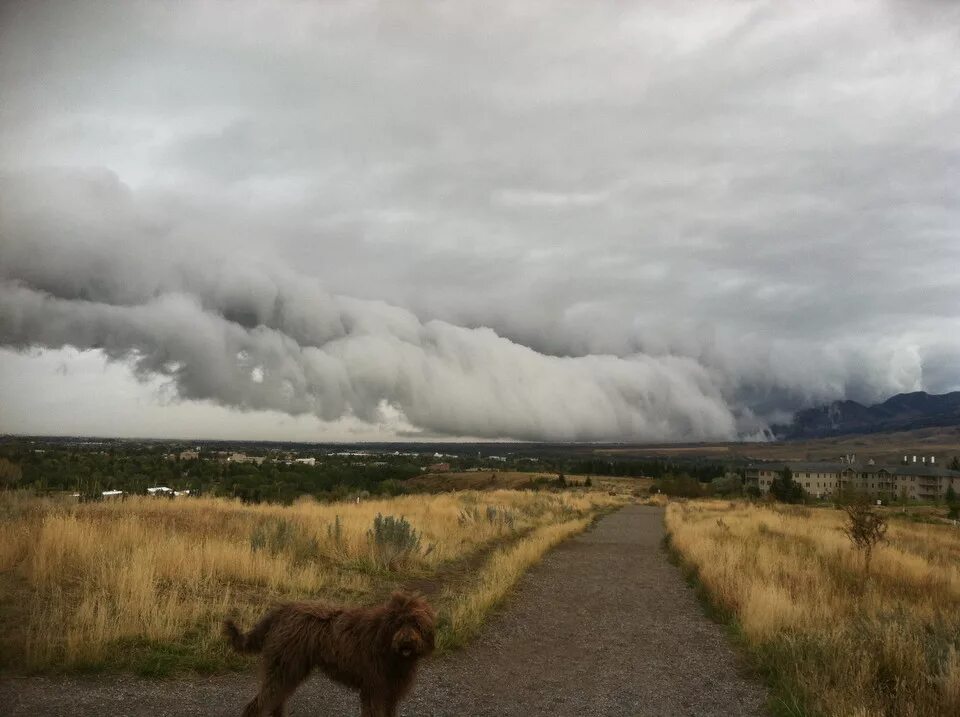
x=250, y=338
x=536, y=222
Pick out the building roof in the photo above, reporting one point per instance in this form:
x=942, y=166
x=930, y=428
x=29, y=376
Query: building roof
x=802, y=466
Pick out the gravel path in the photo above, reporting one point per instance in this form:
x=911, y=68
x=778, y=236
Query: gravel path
x=603, y=626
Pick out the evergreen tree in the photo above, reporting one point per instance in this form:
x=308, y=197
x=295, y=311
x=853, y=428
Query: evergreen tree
x=785, y=489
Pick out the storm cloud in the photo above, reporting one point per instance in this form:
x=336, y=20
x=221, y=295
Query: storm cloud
x=542, y=221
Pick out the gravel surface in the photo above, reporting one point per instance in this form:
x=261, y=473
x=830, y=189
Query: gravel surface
x=603, y=626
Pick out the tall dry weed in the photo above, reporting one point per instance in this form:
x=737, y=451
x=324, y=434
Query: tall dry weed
x=845, y=640
x=147, y=581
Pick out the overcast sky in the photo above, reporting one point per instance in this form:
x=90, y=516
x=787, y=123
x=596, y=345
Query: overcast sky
x=530, y=220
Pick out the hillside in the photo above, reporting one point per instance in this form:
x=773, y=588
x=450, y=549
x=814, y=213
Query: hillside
x=887, y=447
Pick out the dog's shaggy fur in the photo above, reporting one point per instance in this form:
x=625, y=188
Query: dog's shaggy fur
x=371, y=649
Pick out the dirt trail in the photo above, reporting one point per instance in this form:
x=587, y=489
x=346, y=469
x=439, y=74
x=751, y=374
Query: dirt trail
x=604, y=626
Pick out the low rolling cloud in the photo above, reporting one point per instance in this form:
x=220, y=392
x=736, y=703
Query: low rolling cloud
x=538, y=221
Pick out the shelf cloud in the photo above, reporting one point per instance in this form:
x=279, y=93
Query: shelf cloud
x=537, y=222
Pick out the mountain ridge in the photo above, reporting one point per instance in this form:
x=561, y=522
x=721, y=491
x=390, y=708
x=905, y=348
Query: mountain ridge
x=904, y=411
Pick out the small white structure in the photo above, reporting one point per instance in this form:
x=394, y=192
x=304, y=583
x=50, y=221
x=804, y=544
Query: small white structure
x=306, y=461
x=111, y=494
x=160, y=490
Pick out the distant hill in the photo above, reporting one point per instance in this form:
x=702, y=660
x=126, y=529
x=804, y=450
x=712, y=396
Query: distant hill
x=903, y=412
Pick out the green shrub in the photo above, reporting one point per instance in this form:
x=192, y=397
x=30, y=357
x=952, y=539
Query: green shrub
x=281, y=535
x=391, y=487
x=682, y=486
x=726, y=485
x=500, y=517
x=494, y=515
x=394, y=540
x=335, y=533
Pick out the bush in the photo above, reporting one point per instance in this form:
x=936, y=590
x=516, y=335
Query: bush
x=391, y=487
x=785, y=489
x=500, y=517
x=953, y=504
x=494, y=515
x=279, y=535
x=393, y=540
x=727, y=484
x=335, y=533
x=681, y=486
x=866, y=528
x=10, y=473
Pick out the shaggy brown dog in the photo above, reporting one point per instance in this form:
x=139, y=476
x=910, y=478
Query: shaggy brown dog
x=370, y=649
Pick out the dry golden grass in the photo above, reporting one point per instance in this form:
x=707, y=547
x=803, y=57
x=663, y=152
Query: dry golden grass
x=144, y=583
x=504, y=568
x=834, y=640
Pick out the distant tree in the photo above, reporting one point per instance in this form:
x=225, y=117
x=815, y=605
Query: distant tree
x=683, y=486
x=865, y=527
x=953, y=505
x=726, y=485
x=785, y=489
x=10, y=473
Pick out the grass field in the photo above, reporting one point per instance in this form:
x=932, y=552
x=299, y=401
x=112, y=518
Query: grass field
x=143, y=584
x=832, y=639
x=497, y=480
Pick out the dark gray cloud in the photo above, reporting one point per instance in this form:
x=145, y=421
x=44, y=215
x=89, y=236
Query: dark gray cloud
x=576, y=221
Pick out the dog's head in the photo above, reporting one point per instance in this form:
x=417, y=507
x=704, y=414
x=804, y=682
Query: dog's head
x=411, y=626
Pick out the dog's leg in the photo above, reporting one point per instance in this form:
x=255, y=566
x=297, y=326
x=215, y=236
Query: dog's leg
x=390, y=707
x=270, y=701
x=377, y=706
x=254, y=708
x=366, y=708
x=273, y=696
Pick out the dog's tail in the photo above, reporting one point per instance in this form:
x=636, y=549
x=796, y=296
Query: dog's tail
x=251, y=642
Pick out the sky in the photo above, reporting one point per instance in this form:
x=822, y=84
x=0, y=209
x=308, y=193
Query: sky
x=564, y=221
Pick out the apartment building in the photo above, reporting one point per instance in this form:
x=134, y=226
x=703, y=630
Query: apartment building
x=923, y=481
